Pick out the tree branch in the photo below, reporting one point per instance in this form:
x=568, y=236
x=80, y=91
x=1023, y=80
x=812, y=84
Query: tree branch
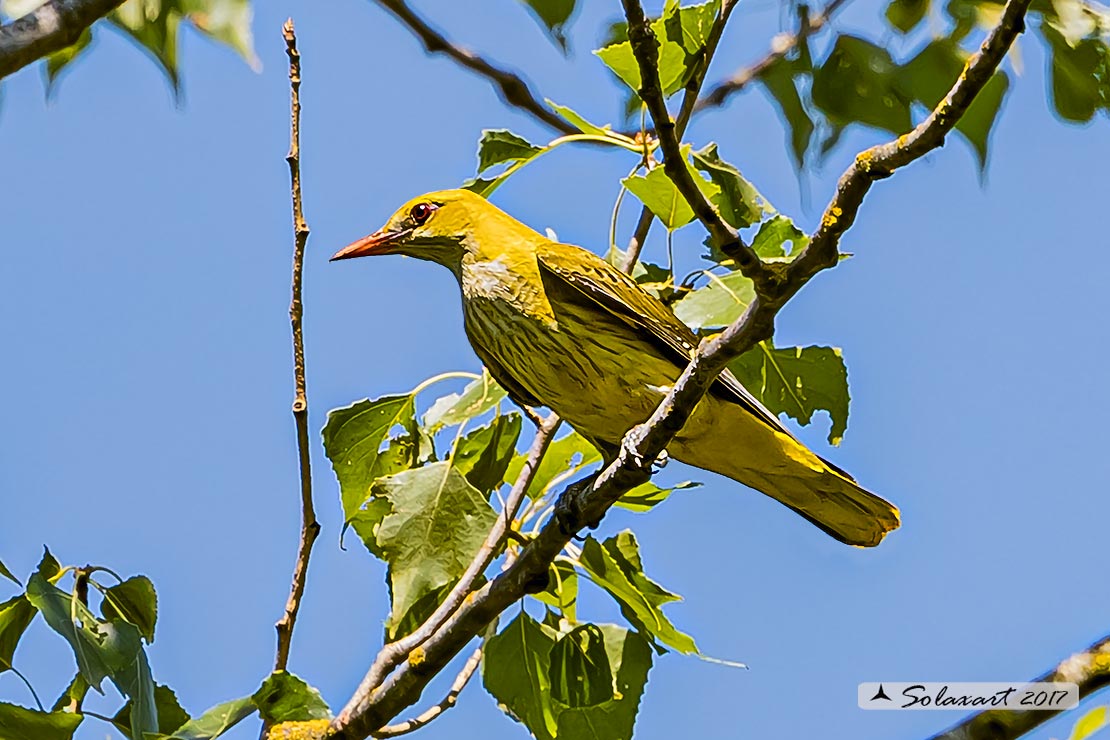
x=310, y=527
x=586, y=502
x=50, y=28
x=781, y=45
x=1090, y=670
x=511, y=86
x=646, y=48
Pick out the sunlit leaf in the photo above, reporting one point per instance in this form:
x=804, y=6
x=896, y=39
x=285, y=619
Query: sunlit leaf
x=779, y=238
x=62, y=58
x=516, y=669
x=501, y=145
x=153, y=24
x=798, y=381
x=574, y=119
x=484, y=455
x=615, y=566
x=738, y=202
x=226, y=21
x=478, y=397
x=1080, y=75
x=284, y=697
x=648, y=495
x=1089, y=724
x=562, y=589
x=565, y=458
x=656, y=191
x=19, y=723
x=170, y=713
x=717, y=304
x=15, y=614
x=216, y=721
x=8, y=574
x=435, y=526
x=76, y=692
x=579, y=672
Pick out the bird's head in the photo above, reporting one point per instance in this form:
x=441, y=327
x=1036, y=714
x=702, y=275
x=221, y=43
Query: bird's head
x=440, y=227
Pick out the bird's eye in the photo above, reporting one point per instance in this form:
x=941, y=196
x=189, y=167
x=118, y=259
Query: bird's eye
x=421, y=212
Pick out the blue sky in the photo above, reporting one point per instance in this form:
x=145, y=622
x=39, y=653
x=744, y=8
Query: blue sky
x=146, y=369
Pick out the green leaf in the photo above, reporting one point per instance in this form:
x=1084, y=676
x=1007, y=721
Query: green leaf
x=554, y=15
x=134, y=601
x=779, y=79
x=576, y=120
x=798, y=381
x=75, y=694
x=928, y=77
x=579, y=673
x=18, y=723
x=366, y=521
x=648, y=495
x=482, y=186
x=49, y=567
x=406, y=623
x=516, y=668
x=484, y=455
x=717, y=304
x=170, y=713
x=284, y=697
x=15, y=614
x=773, y=236
x=478, y=397
x=562, y=589
x=8, y=574
x=681, y=33
x=1080, y=75
x=226, y=21
x=1089, y=724
x=216, y=721
x=113, y=649
x=904, y=15
x=436, y=525
x=61, y=59
x=565, y=458
x=353, y=440
x=501, y=145
x=153, y=25
x=738, y=202
x=859, y=83
x=629, y=660
x=615, y=566
x=656, y=191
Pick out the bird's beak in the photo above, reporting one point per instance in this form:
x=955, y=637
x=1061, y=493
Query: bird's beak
x=377, y=243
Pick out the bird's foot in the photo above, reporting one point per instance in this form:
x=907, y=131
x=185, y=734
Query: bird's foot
x=630, y=447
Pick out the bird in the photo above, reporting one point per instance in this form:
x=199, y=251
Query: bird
x=558, y=326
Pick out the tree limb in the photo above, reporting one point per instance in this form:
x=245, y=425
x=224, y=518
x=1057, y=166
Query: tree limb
x=781, y=45
x=1089, y=669
x=47, y=29
x=586, y=502
x=511, y=86
x=310, y=527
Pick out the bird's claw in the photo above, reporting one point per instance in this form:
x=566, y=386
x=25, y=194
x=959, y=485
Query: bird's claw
x=630, y=448
x=568, y=511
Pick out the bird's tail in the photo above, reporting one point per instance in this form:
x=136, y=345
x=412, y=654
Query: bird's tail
x=776, y=464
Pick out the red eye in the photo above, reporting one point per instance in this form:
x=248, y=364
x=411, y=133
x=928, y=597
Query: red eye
x=421, y=212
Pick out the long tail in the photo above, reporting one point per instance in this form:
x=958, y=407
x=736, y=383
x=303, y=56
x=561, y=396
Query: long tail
x=774, y=463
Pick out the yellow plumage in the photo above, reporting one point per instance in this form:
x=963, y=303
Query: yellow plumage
x=558, y=326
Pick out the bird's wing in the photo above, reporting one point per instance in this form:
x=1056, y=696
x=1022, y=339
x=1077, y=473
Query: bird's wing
x=622, y=297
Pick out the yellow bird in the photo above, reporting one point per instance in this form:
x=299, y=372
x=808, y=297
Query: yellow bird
x=558, y=326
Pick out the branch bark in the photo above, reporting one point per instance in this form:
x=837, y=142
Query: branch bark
x=1089, y=669
x=310, y=527
x=47, y=29
x=586, y=502
x=511, y=86
x=782, y=45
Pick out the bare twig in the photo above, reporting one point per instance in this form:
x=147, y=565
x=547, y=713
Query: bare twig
x=646, y=48
x=1090, y=670
x=586, y=502
x=781, y=46
x=510, y=85
x=448, y=701
x=689, y=99
x=310, y=527
x=47, y=29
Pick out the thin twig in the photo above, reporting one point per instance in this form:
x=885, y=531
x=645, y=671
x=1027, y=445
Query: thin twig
x=587, y=502
x=781, y=46
x=393, y=654
x=47, y=29
x=448, y=701
x=685, y=111
x=510, y=85
x=1090, y=670
x=310, y=527
x=646, y=48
